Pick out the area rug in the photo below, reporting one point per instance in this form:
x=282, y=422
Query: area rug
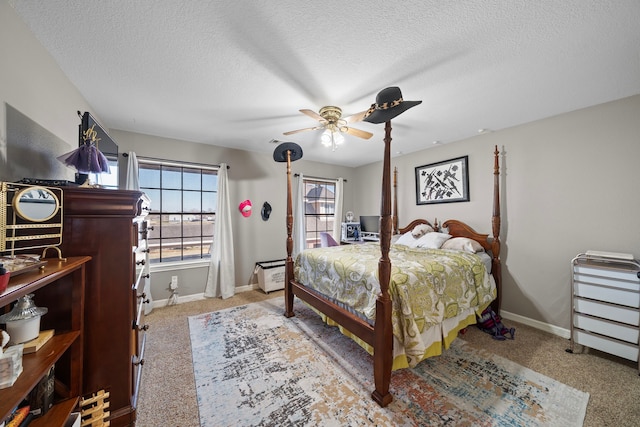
x=254, y=367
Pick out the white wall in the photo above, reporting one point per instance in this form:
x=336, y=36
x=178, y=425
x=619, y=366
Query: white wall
x=569, y=184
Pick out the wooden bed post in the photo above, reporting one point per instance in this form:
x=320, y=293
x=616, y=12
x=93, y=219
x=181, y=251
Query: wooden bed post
x=288, y=274
x=495, y=229
x=395, y=200
x=288, y=152
x=383, y=340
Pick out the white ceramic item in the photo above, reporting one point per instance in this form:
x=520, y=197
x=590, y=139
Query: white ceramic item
x=23, y=330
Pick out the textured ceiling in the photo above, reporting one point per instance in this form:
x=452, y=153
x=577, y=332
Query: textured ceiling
x=235, y=73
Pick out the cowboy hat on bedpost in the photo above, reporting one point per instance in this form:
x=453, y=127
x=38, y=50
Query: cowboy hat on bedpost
x=389, y=104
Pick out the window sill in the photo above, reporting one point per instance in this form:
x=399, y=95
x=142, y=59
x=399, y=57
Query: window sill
x=178, y=265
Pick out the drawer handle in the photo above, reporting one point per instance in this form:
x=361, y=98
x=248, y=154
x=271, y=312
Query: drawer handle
x=150, y=228
x=138, y=362
x=141, y=262
x=146, y=276
x=143, y=328
x=146, y=250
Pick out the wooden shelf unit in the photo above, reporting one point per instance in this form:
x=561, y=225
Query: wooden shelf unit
x=65, y=302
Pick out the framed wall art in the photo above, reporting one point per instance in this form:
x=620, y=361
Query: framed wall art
x=443, y=182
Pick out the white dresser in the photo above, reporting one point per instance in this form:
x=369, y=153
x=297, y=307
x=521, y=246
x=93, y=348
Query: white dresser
x=605, y=295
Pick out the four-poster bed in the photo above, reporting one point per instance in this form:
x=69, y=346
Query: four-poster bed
x=378, y=333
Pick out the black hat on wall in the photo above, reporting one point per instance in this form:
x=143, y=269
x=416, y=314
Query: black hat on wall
x=266, y=211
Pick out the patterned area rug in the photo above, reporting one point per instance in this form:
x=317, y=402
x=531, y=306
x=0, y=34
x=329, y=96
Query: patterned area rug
x=254, y=367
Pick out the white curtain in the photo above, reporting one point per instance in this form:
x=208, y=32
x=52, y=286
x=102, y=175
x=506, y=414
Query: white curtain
x=299, y=232
x=337, y=215
x=132, y=172
x=132, y=183
x=221, y=281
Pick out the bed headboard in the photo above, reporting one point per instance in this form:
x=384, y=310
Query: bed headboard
x=491, y=244
x=456, y=229
x=419, y=221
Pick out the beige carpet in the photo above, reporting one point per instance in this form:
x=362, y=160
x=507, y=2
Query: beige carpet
x=168, y=395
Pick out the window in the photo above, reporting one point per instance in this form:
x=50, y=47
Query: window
x=184, y=200
x=319, y=208
x=107, y=180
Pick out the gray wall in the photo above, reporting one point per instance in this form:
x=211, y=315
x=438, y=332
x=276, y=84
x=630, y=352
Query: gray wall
x=253, y=176
x=569, y=182
x=39, y=100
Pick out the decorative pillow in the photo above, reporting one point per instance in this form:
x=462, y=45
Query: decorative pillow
x=432, y=240
x=421, y=229
x=407, y=239
x=463, y=244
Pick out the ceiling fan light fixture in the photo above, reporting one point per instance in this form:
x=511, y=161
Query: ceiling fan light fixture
x=331, y=138
x=325, y=138
x=330, y=118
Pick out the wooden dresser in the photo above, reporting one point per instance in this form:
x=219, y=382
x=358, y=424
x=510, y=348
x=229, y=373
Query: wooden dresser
x=104, y=225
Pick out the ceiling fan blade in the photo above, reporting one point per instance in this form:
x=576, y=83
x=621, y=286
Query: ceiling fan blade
x=357, y=132
x=355, y=117
x=313, y=115
x=291, y=132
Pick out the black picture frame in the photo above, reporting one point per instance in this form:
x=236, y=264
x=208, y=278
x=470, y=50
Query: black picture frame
x=443, y=182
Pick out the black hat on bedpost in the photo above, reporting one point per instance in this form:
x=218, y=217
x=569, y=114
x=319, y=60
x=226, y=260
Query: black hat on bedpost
x=389, y=104
x=280, y=153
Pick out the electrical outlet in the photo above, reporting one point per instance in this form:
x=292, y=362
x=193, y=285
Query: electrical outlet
x=174, y=283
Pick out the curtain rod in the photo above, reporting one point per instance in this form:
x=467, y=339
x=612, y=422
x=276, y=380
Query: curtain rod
x=169, y=162
x=319, y=178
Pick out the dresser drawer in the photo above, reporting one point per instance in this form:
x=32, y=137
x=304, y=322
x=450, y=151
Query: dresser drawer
x=626, y=315
x=610, y=276
x=605, y=293
x=138, y=363
x=604, y=327
x=617, y=285
x=608, y=345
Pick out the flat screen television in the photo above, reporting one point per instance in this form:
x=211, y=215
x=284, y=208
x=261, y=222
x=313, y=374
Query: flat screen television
x=370, y=223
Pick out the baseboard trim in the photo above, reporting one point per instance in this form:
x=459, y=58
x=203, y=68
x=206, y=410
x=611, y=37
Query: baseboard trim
x=199, y=297
x=546, y=327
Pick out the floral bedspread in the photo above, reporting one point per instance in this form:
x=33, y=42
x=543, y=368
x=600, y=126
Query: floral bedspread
x=427, y=285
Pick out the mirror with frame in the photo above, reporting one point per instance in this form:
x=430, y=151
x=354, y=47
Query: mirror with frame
x=36, y=204
x=30, y=217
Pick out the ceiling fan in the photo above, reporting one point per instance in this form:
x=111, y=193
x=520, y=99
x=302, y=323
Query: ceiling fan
x=333, y=123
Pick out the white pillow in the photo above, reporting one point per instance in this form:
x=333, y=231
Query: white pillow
x=421, y=229
x=432, y=240
x=407, y=239
x=463, y=244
